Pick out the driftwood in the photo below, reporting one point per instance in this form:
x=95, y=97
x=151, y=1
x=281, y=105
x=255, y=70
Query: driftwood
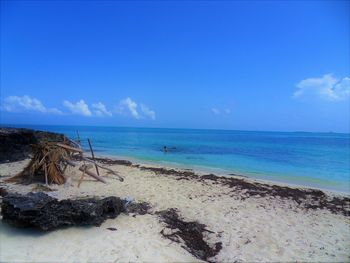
x=71, y=163
x=78, y=138
x=70, y=148
x=46, y=178
x=51, y=159
x=93, y=156
x=81, y=178
x=84, y=169
x=105, y=168
x=76, y=145
x=47, y=165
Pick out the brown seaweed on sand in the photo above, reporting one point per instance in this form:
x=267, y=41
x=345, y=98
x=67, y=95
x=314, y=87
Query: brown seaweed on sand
x=191, y=233
x=307, y=198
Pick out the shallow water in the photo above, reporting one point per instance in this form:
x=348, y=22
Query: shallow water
x=312, y=159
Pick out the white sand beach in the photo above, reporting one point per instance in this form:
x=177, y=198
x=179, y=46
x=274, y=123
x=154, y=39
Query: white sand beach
x=251, y=228
x=175, y=131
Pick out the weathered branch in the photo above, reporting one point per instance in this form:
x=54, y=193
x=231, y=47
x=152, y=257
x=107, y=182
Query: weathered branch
x=69, y=147
x=98, y=178
x=93, y=156
x=105, y=168
x=77, y=145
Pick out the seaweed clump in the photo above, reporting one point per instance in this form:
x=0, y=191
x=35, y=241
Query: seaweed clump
x=142, y=208
x=191, y=233
x=307, y=198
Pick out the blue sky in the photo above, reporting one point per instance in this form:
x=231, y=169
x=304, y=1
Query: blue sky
x=225, y=65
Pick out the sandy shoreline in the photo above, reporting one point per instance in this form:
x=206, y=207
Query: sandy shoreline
x=222, y=173
x=253, y=220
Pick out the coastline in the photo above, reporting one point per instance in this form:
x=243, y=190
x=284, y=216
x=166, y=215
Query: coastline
x=201, y=170
x=282, y=223
x=315, y=161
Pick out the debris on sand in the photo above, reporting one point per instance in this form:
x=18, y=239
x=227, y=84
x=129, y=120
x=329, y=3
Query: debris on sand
x=41, y=211
x=48, y=164
x=50, y=161
x=141, y=208
x=3, y=192
x=306, y=198
x=107, y=161
x=189, y=233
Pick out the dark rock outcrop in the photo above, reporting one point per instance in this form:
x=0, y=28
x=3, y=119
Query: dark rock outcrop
x=3, y=192
x=41, y=211
x=15, y=143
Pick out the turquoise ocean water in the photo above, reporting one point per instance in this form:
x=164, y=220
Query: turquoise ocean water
x=312, y=159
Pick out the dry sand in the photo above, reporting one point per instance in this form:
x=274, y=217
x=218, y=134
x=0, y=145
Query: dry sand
x=253, y=229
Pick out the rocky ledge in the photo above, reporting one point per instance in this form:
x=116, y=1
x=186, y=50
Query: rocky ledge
x=15, y=143
x=41, y=211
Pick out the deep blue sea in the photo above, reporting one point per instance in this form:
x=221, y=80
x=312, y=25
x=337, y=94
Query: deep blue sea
x=313, y=159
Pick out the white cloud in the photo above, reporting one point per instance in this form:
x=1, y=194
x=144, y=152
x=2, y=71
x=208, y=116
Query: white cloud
x=342, y=88
x=130, y=107
x=26, y=103
x=327, y=87
x=80, y=108
x=215, y=111
x=148, y=112
x=101, y=110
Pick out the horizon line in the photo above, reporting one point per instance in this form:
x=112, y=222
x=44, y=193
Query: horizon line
x=138, y=127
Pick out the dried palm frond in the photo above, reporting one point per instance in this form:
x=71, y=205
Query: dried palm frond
x=48, y=163
x=50, y=160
